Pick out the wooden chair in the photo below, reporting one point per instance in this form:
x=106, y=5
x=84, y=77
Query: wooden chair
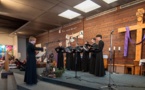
x=105, y=58
x=105, y=63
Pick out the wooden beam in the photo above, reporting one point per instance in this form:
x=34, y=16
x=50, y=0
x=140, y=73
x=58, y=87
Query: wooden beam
x=6, y=65
x=133, y=27
x=138, y=47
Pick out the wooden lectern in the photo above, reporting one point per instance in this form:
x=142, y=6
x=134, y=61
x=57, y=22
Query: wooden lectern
x=7, y=77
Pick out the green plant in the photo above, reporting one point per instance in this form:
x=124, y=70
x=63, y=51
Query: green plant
x=58, y=72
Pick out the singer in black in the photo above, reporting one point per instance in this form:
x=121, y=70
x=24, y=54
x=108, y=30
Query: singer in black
x=99, y=68
x=69, y=57
x=60, y=58
x=93, y=56
x=85, y=58
x=77, y=58
x=30, y=72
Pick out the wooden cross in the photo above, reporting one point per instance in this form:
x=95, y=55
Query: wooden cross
x=139, y=32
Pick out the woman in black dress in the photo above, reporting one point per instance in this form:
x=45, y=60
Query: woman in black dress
x=60, y=58
x=77, y=58
x=30, y=72
x=69, y=57
x=93, y=56
x=85, y=58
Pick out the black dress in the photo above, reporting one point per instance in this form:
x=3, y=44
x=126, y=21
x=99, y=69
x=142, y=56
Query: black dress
x=30, y=72
x=69, y=58
x=85, y=58
x=77, y=58
x=93, y=58
x=99, y=68
x=60, y=57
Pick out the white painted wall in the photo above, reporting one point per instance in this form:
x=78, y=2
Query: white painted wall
x=22, y=47
x=6, y=39
x=15, y=46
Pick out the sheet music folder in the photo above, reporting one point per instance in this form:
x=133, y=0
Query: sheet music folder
x=40, y=54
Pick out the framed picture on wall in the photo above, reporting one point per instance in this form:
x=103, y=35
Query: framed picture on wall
x=4, y=49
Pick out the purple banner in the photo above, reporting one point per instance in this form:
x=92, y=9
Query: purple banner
x=126, y=44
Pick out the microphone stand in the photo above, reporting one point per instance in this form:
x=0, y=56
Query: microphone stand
x=110, y=86
x=76, y=76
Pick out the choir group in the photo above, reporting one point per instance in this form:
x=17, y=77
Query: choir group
x=91, y=60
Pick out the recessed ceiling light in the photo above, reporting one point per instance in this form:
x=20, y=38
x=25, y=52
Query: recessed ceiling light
x=69, y=14
x=87, y=6
x=109, y=1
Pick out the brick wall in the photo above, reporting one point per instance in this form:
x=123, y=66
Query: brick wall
x=43, y=38
x=55, y=35
x=104, y=25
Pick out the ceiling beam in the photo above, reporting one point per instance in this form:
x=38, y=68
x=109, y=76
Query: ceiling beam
x=20, y=28
x=35, y=18
x=27, y=5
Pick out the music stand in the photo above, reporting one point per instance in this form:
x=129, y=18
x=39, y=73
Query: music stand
x=76, y=59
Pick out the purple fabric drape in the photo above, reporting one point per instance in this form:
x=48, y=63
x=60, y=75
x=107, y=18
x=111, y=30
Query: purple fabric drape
x=141, y=41
x=126, y=44
x=127, y=39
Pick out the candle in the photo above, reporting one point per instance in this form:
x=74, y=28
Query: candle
x=109, y=49
x=59, y=31
x=119, y=48
x=114, y=47
x=53, y=69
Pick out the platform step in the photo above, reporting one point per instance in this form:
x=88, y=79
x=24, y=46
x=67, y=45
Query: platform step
x=66, y=84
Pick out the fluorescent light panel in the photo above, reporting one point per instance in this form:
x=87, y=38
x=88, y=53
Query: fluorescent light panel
x=87, y=6
x=69, y=14
x=109, y=1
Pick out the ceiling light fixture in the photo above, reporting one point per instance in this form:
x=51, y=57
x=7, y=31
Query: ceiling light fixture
x=109, y=1
x=69, y=14
x=87, y=6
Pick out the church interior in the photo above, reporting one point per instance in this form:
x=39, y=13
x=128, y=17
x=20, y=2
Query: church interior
x=87, y=44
